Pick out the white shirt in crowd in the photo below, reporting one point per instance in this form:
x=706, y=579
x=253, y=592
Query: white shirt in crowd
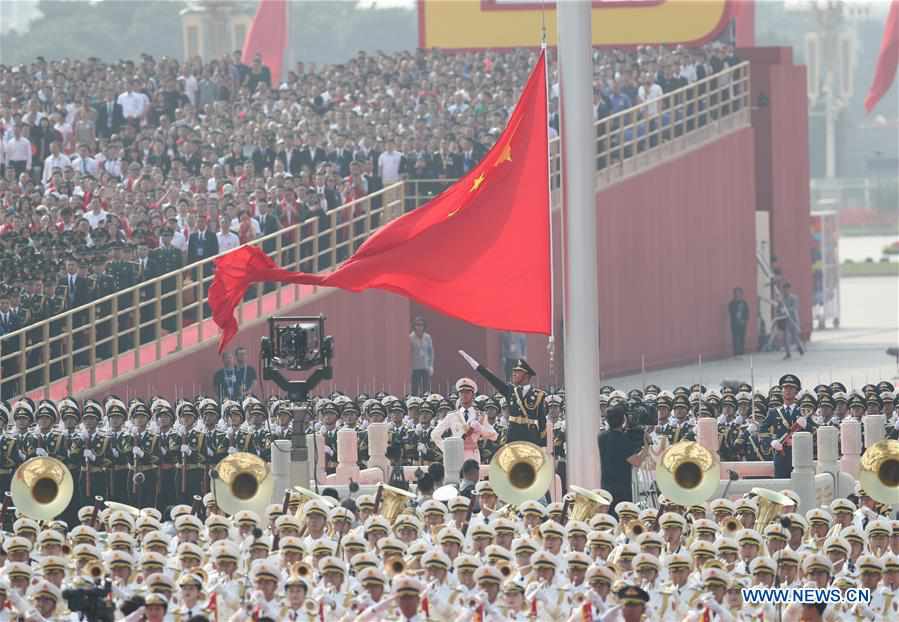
x=688, y=72
x=133, y=104
x=85, y=165
x=648, y=95
x=95, y=218
x=54, y=161
x=178, y=241
x=17, y=150
x=235, y=226
x=227, y=241
x=113, y=167
x=389, y=166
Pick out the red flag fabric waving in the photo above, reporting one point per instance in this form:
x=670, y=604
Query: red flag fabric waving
x=490, y=230
x=887, y=61
x=267, y=36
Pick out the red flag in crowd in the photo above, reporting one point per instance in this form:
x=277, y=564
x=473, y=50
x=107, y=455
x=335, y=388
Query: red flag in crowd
x=267, y=36
x=488, y=232
x=887, y=61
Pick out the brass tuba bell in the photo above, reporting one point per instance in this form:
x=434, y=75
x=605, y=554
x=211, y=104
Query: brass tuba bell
x=301, y=496
x=732, y=525
x=586, y=503
x=42, y=488
x=771, y=505
x=688, y=473
x=878, y=471
x=243, y=481
x=94, y=571
x=519, y=472
x=394, y=566
x=393, y=501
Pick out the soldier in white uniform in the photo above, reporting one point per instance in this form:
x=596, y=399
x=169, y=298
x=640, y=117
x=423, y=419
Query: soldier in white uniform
x=466, y=422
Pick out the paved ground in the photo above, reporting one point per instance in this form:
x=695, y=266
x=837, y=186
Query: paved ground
x=854, y=354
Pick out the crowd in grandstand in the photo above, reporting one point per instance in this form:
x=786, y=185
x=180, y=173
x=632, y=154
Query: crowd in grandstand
x=171, y=553
x=158, y=163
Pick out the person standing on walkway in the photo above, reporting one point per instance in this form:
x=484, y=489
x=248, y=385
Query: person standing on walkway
x=422, y=357
x=791, y=321
x=739, y=318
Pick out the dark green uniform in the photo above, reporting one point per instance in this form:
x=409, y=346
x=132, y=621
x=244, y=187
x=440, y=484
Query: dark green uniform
x=169, y=452
x=124, y=274
x=120, y=456
x=143, y=491
x=193, y=465
x=164, y=260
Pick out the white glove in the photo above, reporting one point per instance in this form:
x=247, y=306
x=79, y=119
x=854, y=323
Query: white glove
x=138, y=452
x=328, y=451
x=802, y=421
x=468, y=359
x=752, y=428
x=777, y=445
x=41, y=452
x=611, y=614
x=896, y=425
x=115, y=453
x=475, y=427
x=185, y=450
x=232, y=450
x=89, y=455
x=738, y=420
x=422, y=448
x=85, y=436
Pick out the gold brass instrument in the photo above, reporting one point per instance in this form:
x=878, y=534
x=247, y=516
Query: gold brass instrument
x=394, y=566
x=311, y=607
x=771, y=505
x=688, y=473
x=520, y=471
x=93, y=571
x=42, y=488
x=878, y=471
x=243, y=481
x=302, y=570
x=505, y=569
x=393, y=501
x=507, y=511
x=300, y=496
x=586, y=503
x=732, y=525
x=635, y=530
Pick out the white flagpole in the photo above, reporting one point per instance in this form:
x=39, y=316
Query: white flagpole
x=581, y=303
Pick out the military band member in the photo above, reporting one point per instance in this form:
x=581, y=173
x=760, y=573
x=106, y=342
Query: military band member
x=527, y=405
x=328, y=430
x=47, y=441
x=120, y=444
x=678, y=427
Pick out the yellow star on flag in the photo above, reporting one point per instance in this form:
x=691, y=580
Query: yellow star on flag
x=477, y=182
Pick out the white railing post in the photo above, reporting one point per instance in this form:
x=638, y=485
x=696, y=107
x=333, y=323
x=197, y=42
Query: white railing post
x=453, y=457
x=829, y=456
x=377, y=448
x=707, y=433
x=875, y=429
x=316, y=443
x=281, y=469
x=802, y=480
x=851, y=445
x=347, y=456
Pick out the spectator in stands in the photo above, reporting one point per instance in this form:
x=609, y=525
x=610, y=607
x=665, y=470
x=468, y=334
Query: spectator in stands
x=244, y=372
x=227, y=239
x=225, y=379
x=422, y=357
x=738, y=311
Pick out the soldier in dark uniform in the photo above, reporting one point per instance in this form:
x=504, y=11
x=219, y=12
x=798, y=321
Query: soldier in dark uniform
x=124, y=275
x=120, y=451
x=235, y=437
x=527, y=404
x=489, y=448
x=678, y=428
x=783, y=422
x=169, y=450
x=428, y=453
x=554, y=404
x=260, y=433
x=728, y=429
x=192, y=464
x=74, y=452
x=7, y=462
x=95, y=473
x=144, y=457
x=103, y=284
x=56, y=303
x=23, y=419
x=164, y=260
x=349, y=414
x=47, y=441
x=144, y=271
x=396, y=438
x=328, y=430
x=216, y=450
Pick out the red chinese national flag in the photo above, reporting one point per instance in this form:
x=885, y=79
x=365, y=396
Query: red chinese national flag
x=887, y=61
x=267, y=36
x=489, y=232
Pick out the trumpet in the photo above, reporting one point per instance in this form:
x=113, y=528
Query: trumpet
x=394, y=566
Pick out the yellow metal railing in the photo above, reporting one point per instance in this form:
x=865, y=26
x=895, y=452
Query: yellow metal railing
x=142, y=324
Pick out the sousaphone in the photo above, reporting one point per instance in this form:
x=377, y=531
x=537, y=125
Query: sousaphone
x=878, y=472
x=519, y=472
x=585, y=504
x=42, y=488
x=688, y=473
x=241, y=482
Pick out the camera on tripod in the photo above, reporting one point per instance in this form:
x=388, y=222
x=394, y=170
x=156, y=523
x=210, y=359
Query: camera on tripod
x=91, y=602
x=297, y=343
